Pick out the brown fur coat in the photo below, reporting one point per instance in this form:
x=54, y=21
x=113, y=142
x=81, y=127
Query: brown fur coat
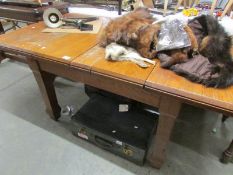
x=134, y=29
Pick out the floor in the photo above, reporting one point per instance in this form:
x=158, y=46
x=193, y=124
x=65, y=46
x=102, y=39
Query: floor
x=32, y=143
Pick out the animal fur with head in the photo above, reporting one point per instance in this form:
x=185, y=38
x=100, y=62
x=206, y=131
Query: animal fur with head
x=216, y=46
x=135, y=30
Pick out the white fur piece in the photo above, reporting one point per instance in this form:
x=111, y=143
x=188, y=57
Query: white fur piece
x=116, y=52
x=227, y=24
x=95, y=12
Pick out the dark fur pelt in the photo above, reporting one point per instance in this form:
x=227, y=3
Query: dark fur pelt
x=135, y=30
x=212, y=42
x=216, y=46
x=220, y=77
x=224, y=78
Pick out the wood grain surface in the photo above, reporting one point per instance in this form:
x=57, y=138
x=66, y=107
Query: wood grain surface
x=95, y=60
x=61, y=47
x=168, y=82
x=122, y=69
x=88, y=59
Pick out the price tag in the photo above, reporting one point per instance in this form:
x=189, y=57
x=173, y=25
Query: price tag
x=123, y=108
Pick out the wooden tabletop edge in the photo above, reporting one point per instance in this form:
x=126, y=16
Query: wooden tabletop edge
x=15, y=50
x=94, y=71
x=171, y=92
x=118, y=76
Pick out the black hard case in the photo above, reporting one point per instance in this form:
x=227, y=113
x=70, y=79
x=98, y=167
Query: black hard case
x=126, y=134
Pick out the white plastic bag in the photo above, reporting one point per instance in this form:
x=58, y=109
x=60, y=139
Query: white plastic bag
x=172, y=36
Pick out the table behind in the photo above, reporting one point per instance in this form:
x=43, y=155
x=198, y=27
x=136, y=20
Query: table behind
x=27, y=13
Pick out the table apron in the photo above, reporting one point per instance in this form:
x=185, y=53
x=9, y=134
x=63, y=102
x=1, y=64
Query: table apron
x=193, y=102
x=109, y=83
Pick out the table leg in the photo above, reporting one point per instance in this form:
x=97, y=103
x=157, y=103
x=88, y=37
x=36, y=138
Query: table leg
x=45, y=82
x=213, y=6
x=196, y=2
x=227, y=155
x=224, y=118
x=119, y=7
x=169, y=110
x=185, y=4
x=1, y=28
x=190, y=3
x=165, y=7
x=2, y=57
x=178, y=5
x=228, y=6
x=230, y=10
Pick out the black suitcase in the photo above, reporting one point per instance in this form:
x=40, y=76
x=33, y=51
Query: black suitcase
x=123, y=133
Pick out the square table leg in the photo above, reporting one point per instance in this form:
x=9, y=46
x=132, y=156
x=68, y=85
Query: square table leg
x=169, y=110
x=228, y=6
x=2, y=57
x=213, y=6
x=119, y=7
x=1, y=28
x=45, y=82
x=165, y=7
x=178, y=5
x=227, y=155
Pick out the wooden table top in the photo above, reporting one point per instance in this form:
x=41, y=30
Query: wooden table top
x=85, y=54
x=94, y=61
x=61, y=47
x=156, y=78
x=169, y=82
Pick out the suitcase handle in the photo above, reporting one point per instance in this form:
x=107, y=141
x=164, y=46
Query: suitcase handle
x=103, y=142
